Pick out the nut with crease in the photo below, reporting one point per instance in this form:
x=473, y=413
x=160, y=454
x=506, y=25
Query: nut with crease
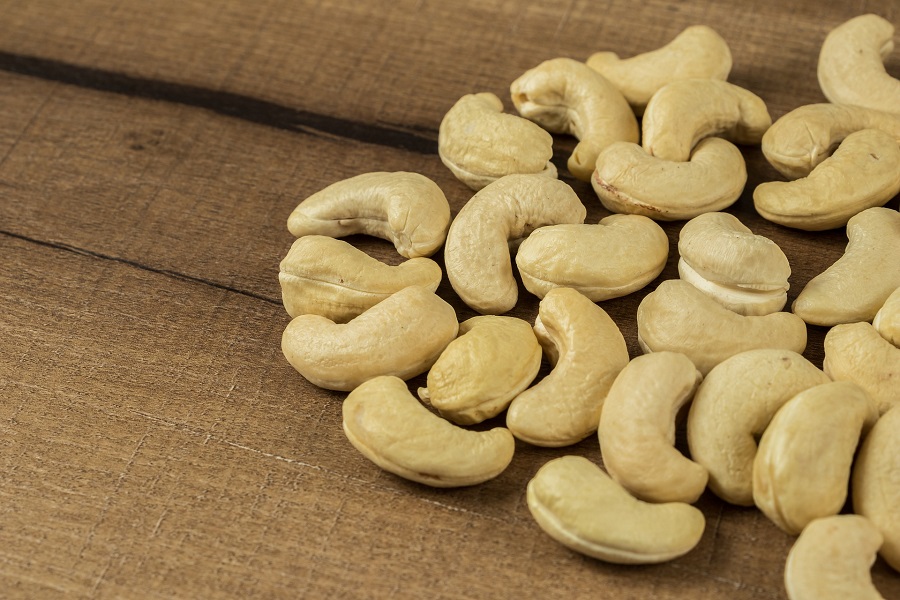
x=386, y=423
x=887, y=319
x=856, y=352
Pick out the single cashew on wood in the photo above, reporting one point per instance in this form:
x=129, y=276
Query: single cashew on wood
x=386, y=423
x=477, y=254
x=832, y=560
x=587, y=351
x=408, y=209
x=876, y=483
x=733, y=407
x=858, y=283
x=802, y=468
x=402, y=335
x=887, y=319
x=680, y=318
x=482, y=370
x=856, y=352
x=563, y=95
x=329, y=277
x=637, y=429
x=744, y=272
x=697, y=52
x=628, y=180
x=851, y=64
x=863, y=172
x=686, y=111
x=619, y=255
x=479, y=143
x=580, y=506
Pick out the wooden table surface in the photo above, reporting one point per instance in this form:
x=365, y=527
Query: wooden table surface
x=154, y=443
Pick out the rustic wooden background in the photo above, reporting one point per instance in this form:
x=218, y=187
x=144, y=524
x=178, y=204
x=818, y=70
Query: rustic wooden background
x=154, y=443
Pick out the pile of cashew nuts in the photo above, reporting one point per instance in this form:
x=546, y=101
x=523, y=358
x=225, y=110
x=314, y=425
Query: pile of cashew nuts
x=765, y=426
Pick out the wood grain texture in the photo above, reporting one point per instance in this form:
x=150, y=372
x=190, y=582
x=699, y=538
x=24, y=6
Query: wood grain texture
x=153, y=441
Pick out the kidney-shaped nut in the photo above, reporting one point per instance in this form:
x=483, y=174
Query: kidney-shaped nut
x=628, y=180
x=408, y=209
x=887, y=319
x=480, y=143
x=615, y=257
x=402, y=335
x=832, y=560
x=697, y=52
x=680, y=318
x=477, y=254
x=580, y=506
x=637, y=429
x=856, y=352
x=481, y=371
x=863, y=172
x=587, y=351
x=802, y=467
x=733, y=407
x=563, y=95
x=686, y=111
x=329, y=277
x=851, y=64
x=721, y=257
x=857, y=284
x=386, y=423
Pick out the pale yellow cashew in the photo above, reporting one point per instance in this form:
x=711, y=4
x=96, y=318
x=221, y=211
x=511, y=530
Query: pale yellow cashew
x=887, y=319
x=856, y=352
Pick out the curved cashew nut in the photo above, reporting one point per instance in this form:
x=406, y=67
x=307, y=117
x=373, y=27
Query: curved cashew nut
x=386, y=423
x=587, y=351
x=628, y=180
x=680, y=318
x=733, y=405
x=863, y=172
x=408, y=209
x=856, y=352
x=324, y=276
x=618, y=256
x=860, y=281
x=697, y=52
x=477, y=257
x=851, y=68
x=637, y=429
x=581, y=507
x=566, y=96
x=479, y=143
x=887, y=319
x=832, y=559
x=402, y=335
x=802, y=467
x=721, y=257
x=482, y=370
x=686, y=111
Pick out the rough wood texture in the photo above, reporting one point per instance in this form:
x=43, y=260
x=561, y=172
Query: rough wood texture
x=153, y=441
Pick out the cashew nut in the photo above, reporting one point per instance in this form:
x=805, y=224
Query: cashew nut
x=851, y=64
x=628, y=180
x=329, y=277
x=620, y=255
x=581, y=507
x=856, y=352
x=680, y=318
x=887, y=319
x=479, y=143
x=637, y=429
x=563, y=95
x=734, y=405
x=858, y=283
x=402, y=335
x=408, y=209
x=802, y=467
x=686, y=111
x=386, y=423
x=863, y=172
x=696, y=52
x=832, y=560
x=721, y=257
x=476, y=255
x=587, y=351
x=482, y=370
